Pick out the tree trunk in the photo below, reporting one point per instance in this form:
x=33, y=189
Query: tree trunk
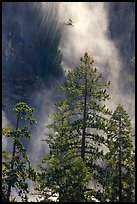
x=84, y=133
x=12, y=164
x=119, y=168
x=120, y=182
x=84, y=119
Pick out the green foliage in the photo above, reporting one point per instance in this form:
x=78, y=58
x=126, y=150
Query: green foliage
x=24, y=112
x=86, y=93
x=16, y=167
x=120, y=157
x=80, y=130
x=74, y=145
x=6, y=131
x=63, y=169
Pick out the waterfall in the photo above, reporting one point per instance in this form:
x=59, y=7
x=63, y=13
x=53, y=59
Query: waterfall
x=35, y=35
x=37, y=32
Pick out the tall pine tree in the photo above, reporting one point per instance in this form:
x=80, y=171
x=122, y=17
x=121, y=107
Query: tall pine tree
x=86, y=92
x=119, y=180
x=88, y=118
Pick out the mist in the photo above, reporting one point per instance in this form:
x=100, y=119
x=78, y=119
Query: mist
x=5, y=122
x=45, y=49
x=90, y=34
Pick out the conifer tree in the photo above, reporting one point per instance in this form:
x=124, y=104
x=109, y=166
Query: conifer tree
x=16, y=165
x=85, y=93
x=119, y=177
x=62, y=170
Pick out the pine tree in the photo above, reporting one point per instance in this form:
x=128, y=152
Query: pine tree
x=120, y=174
x=16, y=165
x=62, y=170
x=85, y=93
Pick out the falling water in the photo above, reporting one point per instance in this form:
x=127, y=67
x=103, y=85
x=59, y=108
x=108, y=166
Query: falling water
x=90, y=33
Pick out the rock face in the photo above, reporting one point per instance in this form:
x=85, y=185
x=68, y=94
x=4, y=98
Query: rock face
x=122, y=30
x=31, y=57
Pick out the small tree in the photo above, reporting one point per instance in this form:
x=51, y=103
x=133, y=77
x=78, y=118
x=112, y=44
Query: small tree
x=16, y=167
x=120, y=173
